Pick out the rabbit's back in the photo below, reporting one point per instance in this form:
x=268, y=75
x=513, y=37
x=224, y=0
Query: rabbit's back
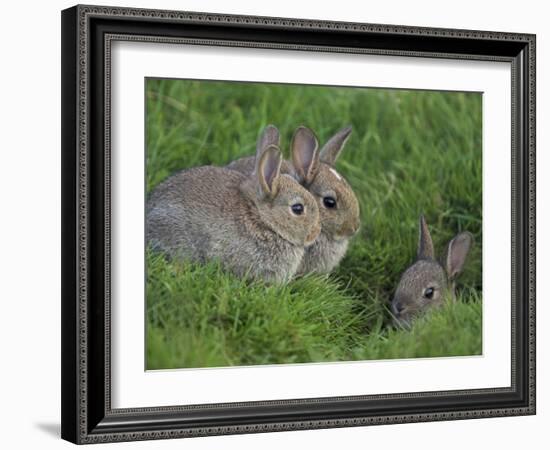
x=243, y=165
x=204, y=185
x=189, y=214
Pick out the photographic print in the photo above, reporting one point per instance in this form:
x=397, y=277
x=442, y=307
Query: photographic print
x=291, y=223
x=276, y=224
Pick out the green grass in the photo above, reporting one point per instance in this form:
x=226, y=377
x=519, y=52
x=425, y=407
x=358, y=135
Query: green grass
x=410, y=152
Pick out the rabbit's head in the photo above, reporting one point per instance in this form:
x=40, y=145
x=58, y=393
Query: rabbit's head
x=282, y=204
x=428, y=283
x=314, y=169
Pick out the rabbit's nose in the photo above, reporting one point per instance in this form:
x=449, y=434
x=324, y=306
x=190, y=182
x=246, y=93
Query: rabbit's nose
x=398, y=307
x=350, y=228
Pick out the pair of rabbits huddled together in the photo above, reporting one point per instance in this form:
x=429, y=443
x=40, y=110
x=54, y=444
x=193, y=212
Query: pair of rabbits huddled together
x=261, y=217
x=266, y=218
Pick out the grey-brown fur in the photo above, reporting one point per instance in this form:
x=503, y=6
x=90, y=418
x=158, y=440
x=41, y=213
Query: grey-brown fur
x=314, y=169
x=270, y=136
x=428, y=282
x=243, y=221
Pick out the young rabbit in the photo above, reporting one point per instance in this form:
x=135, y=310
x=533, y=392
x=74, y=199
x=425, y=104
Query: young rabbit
x=338, y=205
x=257, y=225
x=427, y=283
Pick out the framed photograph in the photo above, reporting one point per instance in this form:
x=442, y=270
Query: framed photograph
x=279, y=224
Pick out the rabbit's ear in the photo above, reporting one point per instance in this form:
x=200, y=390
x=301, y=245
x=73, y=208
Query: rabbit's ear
x=457, y=251
x=331, y=150
x=305, y=154
x=270, y=136
x=425, y=245
x=268, y=169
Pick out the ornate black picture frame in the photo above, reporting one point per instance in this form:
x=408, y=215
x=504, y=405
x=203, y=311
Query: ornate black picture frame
x=87, y=34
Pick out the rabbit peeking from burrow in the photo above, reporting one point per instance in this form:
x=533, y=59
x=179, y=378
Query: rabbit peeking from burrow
x=256, y=225
x=428, y=283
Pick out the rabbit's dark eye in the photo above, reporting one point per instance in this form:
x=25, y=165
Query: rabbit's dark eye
x=297, y=209
x=429, y=293
x=329, y=202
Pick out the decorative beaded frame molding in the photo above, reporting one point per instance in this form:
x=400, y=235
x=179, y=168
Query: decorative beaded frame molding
x=87, y=34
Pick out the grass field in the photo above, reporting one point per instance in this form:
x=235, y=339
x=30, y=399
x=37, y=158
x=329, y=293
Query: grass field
x=410, y=152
